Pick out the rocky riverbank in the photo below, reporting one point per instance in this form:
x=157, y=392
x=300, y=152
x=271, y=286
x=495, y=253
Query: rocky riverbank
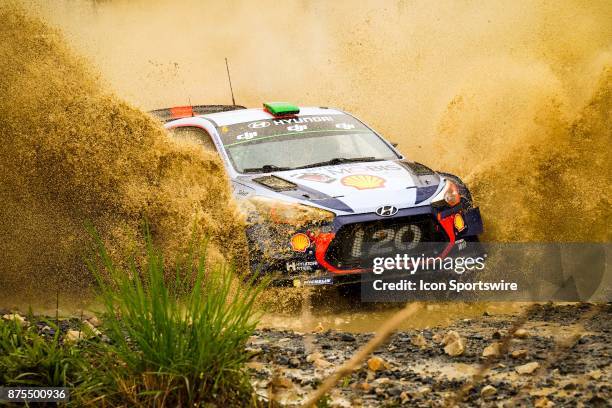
x=565, y=360
x=560, y=356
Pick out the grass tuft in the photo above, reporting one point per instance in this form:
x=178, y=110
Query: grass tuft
x=175, y=340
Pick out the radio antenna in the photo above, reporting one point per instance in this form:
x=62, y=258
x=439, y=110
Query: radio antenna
x=229, y=78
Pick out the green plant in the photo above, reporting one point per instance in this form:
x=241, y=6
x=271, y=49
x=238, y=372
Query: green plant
x=175, y=340
x=28, y=359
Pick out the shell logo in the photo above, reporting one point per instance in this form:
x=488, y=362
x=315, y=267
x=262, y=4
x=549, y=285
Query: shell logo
x=363, y=181
x=299, y=242
x=459, y=223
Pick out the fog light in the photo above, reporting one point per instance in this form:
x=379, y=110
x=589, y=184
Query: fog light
x=459, y=223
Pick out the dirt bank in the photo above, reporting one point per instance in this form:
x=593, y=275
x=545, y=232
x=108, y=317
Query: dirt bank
x=421, y=373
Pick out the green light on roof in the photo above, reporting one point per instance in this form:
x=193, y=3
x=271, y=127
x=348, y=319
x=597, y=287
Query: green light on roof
x=281, y=108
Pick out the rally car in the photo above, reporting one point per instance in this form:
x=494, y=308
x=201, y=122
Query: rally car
x=323, y=193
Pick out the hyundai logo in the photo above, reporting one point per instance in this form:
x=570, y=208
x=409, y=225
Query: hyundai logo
x=259, y=125
x=386, y=211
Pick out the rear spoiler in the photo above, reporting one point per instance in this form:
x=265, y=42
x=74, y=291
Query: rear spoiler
x=178, y=112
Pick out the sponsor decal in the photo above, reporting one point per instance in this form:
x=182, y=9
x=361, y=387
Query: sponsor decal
x=300, y=242
x=374, y=168
x=345, y=126
x=363, y=181
x=297, y=128
x=318, y=281
x=319, y=177
x=259, y=125
x=386, y=211
x=308, y=119
x=461, y=244
x=224, y=129
x=459, y=223
x=304, y=266
x=246, y=135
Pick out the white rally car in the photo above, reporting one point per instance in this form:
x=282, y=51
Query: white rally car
x=325, y=194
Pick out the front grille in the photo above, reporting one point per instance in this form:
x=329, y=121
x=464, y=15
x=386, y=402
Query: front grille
x=356, y=245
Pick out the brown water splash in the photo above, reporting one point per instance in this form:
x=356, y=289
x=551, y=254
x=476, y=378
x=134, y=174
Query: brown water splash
x=71, y=153
x=512, y=96
x=550, y=182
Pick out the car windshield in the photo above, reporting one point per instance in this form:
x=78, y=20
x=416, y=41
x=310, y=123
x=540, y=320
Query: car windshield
x=265, y=146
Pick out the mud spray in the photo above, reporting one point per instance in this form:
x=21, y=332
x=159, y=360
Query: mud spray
x=512, y=96
x=72, y=153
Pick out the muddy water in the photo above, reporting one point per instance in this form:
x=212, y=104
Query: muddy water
x=319, y=309
x=503, y=94
x=73, y=153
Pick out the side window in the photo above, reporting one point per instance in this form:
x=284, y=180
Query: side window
x=193, y=134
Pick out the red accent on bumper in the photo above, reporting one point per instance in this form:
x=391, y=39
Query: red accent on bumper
x=448, y=224
x=322, y=241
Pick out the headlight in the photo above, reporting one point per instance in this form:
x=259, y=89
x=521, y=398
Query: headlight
x=283, y=212
x=448, y=196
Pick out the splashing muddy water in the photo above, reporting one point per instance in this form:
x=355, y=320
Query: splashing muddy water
x=514, y=97
x=73, y=153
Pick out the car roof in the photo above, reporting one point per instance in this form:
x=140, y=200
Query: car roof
x=248, y=115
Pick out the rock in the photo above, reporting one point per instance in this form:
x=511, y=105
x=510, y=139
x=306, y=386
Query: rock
x=253, y=351
x=395, y=391
x=521, y=334
x=450, y=337
x=282, y=382
x=455, y=345
x=381, y=381
x=95, y=321
x=73, y=336
x=492, y=350
x=376, y=363
x=437, y=338
x=455, y=349
x=314, y=356
x=17, y=318
x=488, y=391
x=418, y=340
x=254, y=365
x=528, y=368
x=594, y=374
x=496, y=335
x=91, y=328
x=347, y=337
x=319, y=328
x=522, y=353
x=543, y=402
x=365, y=387
x=423, y=391
x=321, y=363
x=379, y=391
x=404, y=397
x=294, y=362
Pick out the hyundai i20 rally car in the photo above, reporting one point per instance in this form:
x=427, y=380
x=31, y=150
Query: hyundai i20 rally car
x=323, y=193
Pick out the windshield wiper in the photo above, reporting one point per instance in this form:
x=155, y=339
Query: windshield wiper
x=340, y=160
x=266, y=168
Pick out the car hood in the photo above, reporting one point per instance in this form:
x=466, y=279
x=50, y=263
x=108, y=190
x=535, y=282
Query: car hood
x=358, y=187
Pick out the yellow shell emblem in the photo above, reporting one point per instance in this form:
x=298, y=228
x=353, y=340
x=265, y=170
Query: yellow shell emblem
x=299, y=242
x=363, y=181
x=459, y=223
